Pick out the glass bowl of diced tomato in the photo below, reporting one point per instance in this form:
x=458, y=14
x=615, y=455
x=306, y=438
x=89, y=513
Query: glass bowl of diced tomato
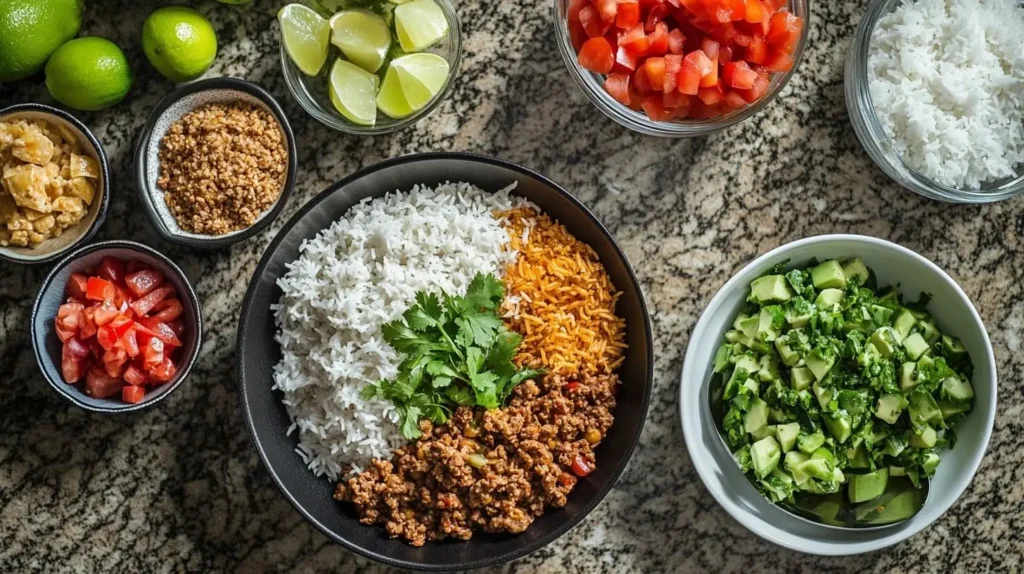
x=116, y=327
x=681, y=68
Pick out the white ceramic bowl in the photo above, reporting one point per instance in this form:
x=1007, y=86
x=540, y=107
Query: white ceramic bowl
x=892, y=265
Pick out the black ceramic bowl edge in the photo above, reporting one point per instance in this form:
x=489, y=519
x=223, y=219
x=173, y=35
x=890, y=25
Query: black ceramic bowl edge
x=183, y=370
x=142, y=142
x=534, y=545
x=101, y=216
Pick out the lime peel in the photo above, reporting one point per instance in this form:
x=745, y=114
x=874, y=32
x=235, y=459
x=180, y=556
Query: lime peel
x=306, y=37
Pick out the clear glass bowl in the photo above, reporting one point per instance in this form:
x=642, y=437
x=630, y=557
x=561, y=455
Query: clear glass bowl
x=872, y=136
x=311, y=91
x=592, y=85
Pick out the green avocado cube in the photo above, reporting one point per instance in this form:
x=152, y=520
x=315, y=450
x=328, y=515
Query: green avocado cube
x=884, y=339
x=792, y=462
x=907, y=379
x=819, y=364
x=923, y=409
x=808, y=443
x=765, y=332
x=889, y=407
x=817, y=468
x=764, y=455
x=929, y=330
x=770, y=289
x=858, y=457
x=903, y=323
x=930, y=463
x=855, y=269
x=956, y=389
x=925, y=438
x=829, y=299
x=839, y=427
x=865, y=487
x=797, y=321
x=786, y=353
x=747, y=326
x=950, y=409
x=915, y=346
x=953, y=347
x=828, y=275
x=801, y=378
x=897, y=471
x=786, y=434
x=757, y=417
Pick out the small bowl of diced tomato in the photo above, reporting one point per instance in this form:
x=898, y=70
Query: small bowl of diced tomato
x=116, y=327
x=681, y=68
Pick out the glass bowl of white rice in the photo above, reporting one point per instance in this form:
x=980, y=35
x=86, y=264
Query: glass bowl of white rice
x=935, y=92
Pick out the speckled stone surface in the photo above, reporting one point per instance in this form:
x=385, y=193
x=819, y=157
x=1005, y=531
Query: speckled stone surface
x=180, y=488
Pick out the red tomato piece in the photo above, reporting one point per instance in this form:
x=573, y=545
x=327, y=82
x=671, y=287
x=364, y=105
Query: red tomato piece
x=97, y=289
x=105, y=313
x=574, y=9
x=617, y=85
x=694, y=7
x=577, y=35
x=757, y=51
x=100, y=385
x=756, y=91
x=696, y=66
x=710, y=48
x=654, y=68
x=778, y=62
x=592, y=23
x=132, y=394
x=566, y=479
x=145, y=304
x=77, y=285
x=111, y=269
x=113, y=361
x=641, y=83
x=580, y=467
x=164, y=371
x=129, y=342
x=135, y=376
x=628, y=15
x=738, y=75
x=655, y=109
x=71, y=367
x=625, y=58
x=596, y=56
x=675, y=99
x=152, y=353
x=69, y=320
x=142, y=282
x=88, y=327
x=656, y=14
x=710, y=96
x=673, y=63
x=635, y=41
x=161, y=330
x=106, y=337
x=658, y=40
x=723, y=11
x=784, y=33
x=607, y=9
x=754, y=11
x=676, y=41
x=178, y=327
x=733, y=101
x=121, y=325
x=77, y=348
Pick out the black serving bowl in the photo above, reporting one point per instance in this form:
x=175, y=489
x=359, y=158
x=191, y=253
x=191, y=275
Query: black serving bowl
x=55, y=248
x=268, y=421
x=147, y=156
x=47, y=345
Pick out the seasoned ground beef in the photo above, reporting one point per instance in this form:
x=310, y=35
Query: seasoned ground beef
x=494, y=471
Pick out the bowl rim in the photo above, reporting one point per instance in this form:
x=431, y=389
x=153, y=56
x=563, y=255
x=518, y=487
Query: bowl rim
x=691, y=361
x=243, y=333
x=193, y=301
x=147, y=194
x=101, y=215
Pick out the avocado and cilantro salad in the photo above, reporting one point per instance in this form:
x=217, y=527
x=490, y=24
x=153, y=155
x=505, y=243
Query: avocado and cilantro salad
x=830, y=387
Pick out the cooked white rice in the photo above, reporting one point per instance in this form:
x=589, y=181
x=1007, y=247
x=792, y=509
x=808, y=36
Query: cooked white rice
x=350, y=279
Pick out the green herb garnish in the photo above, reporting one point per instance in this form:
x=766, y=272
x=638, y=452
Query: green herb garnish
x=457, y=351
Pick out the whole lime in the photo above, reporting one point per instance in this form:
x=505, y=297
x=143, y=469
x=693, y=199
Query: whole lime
x=179, y=42
x=30, y=30
x=88, y=74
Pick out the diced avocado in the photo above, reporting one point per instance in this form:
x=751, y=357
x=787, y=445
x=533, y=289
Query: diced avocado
x=745, y=367
x=829, y=298
x=825, y=395
x=953, y=347
x=801, y=378
x=822, y=452
x=929, y=330
x=797, y=321
x=751, y=386
x=915, y=346
x=748, y=364
x=778, y=416
x=765, y=332
x=767, y=430
x=819, y=364
x=915, y=477
x=828, y=275
x=889, y=407
x=747, y=326
x=757, y=417
x=858, y=457
x=957, y=389
x=924, y=439
x=722, y=357
x=838, y=477
x=949, y=409
x=899, y=508
x=923, y=409
x=884, y=339
x=779, y=487
x=733, y=336
x=787, y=434
x=753, y=343
x=904, y=322
x=737, y=323
x=808, y=443
x=855, y=268
x=770, y=289
x=786, y=353
x=817, y=468
x=897, y=471
x=880, y=314
x=894, y=446
x=839, y=427
x=769, y=369
x=930, y=463
x=907, y=379
x=764, y=455
x=792, y=462
x=865, y=487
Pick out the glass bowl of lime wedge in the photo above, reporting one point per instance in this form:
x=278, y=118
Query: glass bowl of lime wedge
x=370, y=66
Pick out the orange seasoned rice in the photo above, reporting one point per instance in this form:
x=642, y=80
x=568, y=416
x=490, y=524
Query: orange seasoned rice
x=560, y=298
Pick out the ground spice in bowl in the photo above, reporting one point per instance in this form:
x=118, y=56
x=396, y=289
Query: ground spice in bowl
x=222, y=166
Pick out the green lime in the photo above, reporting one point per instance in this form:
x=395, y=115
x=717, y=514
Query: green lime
x=362, y=36
x=179, y=42
x=306, y=36
x=88, y=74
x=30, y=30
x=391, y=98
x=419, y=24
x=421, y=77
x=352, y=92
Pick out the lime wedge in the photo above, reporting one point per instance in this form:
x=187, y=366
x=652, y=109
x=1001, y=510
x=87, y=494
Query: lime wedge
x=306, y=37
x=419, y=24
x=391, y=97
x=421, y=76
x=364, y=37
x=352, y=92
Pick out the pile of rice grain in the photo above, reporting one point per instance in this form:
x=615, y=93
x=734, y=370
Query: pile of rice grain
x=561, y=299
x=355, y=276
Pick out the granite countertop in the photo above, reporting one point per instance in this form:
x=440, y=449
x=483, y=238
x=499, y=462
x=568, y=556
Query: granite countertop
x=180, y=488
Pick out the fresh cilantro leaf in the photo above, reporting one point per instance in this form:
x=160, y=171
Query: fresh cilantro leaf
x=411, y=422
x=482, y=326
x=484, y=292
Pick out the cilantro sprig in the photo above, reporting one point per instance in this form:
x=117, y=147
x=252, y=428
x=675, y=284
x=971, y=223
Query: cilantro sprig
x=456, y=351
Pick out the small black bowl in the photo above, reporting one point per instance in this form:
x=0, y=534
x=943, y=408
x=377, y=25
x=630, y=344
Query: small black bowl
x=147, y=156
x=55, y=248
x=47, y=345
x=268, y=422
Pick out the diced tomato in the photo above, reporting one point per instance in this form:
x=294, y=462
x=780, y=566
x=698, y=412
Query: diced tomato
x=657, y=13
x=658, y=40
x=635, y=41
x=129, y=342
x=710, y=48
x=133, y=394
x=111, y=269
x=675, y=99
x=121, y=324
x=757, y=51
x=566, y=479
x=168, y=310
x=738, y=75
x=592, y=23
x=676, y=41
x=654, y=69
x=100, y=385
x=723, y=11
x=625, y=58
x=641, y=83
x=784, y=33
x=63, y=332
x=72, y=368
x=693, y=7
x=577, y=35
x=596, y=56
x=655, y=109
x=77, y=285
x=733, y=100
x=574, y=9
x=113, y=360
x=106, y=337
x=710, y=96
x=142, y=282
x=178, y=327
x=696, y=66
x=608, y=9
x=145, y=304
x=627, y=15
x=97, y=289
x=778, y=62
x=88, y=327
x=69, y=320
x=105, y=313
x=673, y=63
x=580, y=467
x=756, y=91
x=135, y=376
x=152, y=353
x=754, y=11
x=164, y=371
x=617, y=85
